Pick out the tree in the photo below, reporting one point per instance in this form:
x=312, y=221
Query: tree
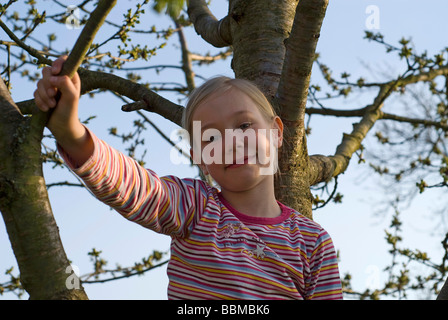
x=281, y=52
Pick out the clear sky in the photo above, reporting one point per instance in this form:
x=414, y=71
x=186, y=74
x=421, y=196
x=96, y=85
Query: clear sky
x=356, y=226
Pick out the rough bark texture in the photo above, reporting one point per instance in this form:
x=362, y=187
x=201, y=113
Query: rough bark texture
x=293, y=186
x=259, y=48
x=26, y=209
x=207, y=26
x=443, y=295
x=24, y=201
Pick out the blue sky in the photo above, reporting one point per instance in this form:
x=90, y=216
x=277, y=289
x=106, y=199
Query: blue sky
x=356, y=226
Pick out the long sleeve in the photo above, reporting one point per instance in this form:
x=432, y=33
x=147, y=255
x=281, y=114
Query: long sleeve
x=324, y=282
x=166, y=205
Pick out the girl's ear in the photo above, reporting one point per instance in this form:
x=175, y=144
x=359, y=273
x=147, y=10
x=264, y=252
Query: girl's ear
x=278, y=124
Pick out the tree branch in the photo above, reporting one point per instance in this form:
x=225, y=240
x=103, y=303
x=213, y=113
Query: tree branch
x=424, y=122
x=64, y=183
x=323, y=168
x=186, y=59
x=24, y=196
x=336, y=112
x=383, y=116
x=81, y=7
x=299, y=58
x=91, y=80
x=145, y=98
x=79, y=51
x=126, y=275
x=215, y=32
x=209, y=59
x=35, y=53
x=443, y=294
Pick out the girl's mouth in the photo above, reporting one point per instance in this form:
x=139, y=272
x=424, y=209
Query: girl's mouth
x=241, y=162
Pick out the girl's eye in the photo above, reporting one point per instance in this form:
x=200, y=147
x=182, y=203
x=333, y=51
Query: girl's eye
x=211, y=135
x=245, y=125
x=210, y=139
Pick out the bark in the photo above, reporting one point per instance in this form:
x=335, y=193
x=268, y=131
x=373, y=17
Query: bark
x=258, y=48
x=26, y=209
x=187, y=66
x=293, y=186
x=24, y=201
x=299, y=59
x=443, y=295
x=207, y=26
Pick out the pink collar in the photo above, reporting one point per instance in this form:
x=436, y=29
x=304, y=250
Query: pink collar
x=286, y=212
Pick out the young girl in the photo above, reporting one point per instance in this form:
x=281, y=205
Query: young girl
x=238, y=242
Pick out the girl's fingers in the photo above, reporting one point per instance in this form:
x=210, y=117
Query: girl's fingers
x=56, y=67
x=40, y=104
x=77, y=82
x=51, y=83
x=52, y=91
x=49, y=89
x=46, y=72
x=65, y=85
x=42, y=87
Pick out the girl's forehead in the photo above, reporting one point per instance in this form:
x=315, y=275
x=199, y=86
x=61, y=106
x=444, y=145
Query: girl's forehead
x=227, y=102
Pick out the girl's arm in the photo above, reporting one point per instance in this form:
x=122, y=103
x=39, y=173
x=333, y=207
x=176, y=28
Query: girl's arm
x=162, y=204
x=324, y=281
x=166, y=205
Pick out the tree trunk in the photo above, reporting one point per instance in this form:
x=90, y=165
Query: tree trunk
x=26, y=209
x=443, y=295
x=259, y=48
x=45, y=271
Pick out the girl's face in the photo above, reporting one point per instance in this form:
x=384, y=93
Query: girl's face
x=237, y=144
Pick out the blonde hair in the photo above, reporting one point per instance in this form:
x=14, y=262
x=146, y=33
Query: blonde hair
x=220, y=85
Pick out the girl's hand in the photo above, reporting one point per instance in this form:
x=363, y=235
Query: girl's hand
x=64, y=117
x=64, y=122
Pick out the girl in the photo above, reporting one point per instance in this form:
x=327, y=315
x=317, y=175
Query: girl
x=238, y=242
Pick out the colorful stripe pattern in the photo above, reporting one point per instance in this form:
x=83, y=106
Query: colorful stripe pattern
x=216, y=252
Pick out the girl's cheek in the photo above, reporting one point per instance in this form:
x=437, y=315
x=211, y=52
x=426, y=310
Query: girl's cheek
x=266, y=147
x=212, y=153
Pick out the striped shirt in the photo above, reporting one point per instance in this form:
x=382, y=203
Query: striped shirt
x=216, y=251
